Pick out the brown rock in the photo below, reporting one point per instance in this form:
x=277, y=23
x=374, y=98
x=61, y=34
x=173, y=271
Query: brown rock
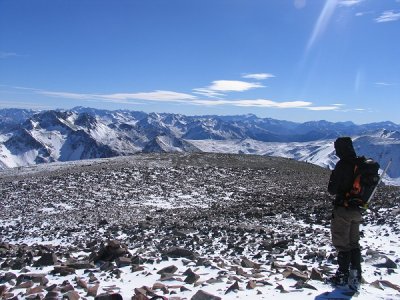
x=246, y=263
x=233, y=287
x=114, y=296
x=169, y=270
x=202, y=295
x=140, y=297
x=25, y=285
x=3, y=290
x=92, y=290
x=81, y=283
x=177, y=252
x=123, y=262
x=66, y=288
x=191, y=277
x=47, y=259
x=251, y=285
x=35, y=290
x=63, y=270
x=71, y=295
x=316, y=275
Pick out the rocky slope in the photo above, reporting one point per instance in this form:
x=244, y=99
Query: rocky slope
x=181, y=226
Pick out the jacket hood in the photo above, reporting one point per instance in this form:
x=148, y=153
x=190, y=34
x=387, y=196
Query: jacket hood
x=344, y=148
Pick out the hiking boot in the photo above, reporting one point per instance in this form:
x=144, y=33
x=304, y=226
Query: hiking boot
x=354, y=280
x=340, y=279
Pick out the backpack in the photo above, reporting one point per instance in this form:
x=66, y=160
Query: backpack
x=366, y=178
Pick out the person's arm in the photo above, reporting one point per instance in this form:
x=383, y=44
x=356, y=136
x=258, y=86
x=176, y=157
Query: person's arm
x=333, y=183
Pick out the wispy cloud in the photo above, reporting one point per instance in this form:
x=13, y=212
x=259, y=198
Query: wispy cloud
x=363, y=13
x=7, y=54
x=183, y=98
x=322, y=22
x=349, y=2
x=255, y=103
x=208, y=93
x=160, y=96
x=299, y=4
x=27, y=105
x=381, y=83
x=258, y=76
x=168, y=96
x=388, y=16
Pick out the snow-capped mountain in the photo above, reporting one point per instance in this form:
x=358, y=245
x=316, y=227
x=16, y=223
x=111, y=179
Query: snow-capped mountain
x=30, y=137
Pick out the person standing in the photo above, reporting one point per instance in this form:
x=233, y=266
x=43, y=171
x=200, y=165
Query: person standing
x=346, y=219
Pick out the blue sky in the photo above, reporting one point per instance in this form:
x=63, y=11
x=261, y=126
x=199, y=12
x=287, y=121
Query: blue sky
x=297, y=60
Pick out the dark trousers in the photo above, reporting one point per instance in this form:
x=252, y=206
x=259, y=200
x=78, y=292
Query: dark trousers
x=345, y=228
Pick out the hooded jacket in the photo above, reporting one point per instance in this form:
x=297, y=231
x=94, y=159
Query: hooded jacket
x=341, y=179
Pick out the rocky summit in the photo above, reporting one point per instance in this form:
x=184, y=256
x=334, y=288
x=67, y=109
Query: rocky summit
x=183, y=226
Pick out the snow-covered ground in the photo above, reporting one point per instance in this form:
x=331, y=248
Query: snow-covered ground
x=256, y=224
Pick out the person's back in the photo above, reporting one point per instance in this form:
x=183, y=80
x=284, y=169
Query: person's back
x=341, y=180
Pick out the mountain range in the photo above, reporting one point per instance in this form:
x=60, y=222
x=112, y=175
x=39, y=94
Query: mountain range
x=29, y=137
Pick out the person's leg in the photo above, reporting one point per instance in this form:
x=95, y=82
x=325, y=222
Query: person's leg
x=355, y=252
x=340, y=230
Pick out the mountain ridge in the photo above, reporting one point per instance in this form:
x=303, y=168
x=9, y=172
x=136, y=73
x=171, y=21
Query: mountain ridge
x=29, y=137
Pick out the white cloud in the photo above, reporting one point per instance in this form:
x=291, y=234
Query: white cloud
x=349, y=2
x=233, y=85
x=388, y=16
x=320, y=108
x=258, y=76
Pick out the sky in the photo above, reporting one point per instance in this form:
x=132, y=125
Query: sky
x=297, y=60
